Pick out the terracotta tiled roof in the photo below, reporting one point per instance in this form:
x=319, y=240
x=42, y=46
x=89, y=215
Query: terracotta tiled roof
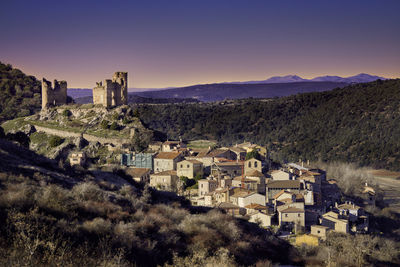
x=289, y=184
x=167, y=155
x=281, y=193
x=256, y=206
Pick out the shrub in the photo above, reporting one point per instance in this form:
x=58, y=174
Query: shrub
x=66, y=113
x=55, y=141
x=114, y=126
x=104, y=124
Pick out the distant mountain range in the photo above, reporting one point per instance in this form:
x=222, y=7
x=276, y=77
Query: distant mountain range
x=277, y=86
x=359, y=78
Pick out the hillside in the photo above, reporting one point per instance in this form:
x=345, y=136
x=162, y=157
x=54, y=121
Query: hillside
x=61, y=216
x=95, y=130
x=358, y=123
x=221, y=91
x=20, y=95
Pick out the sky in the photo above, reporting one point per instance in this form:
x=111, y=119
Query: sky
x=169, y=43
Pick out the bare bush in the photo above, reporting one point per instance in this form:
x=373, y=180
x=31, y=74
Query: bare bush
x=98, y=226
x=88, y=191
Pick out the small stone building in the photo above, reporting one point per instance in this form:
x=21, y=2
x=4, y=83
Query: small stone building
x=166, y=161
x=189, y=168
x=140, y=175
x=166, y=180
x=77, y=158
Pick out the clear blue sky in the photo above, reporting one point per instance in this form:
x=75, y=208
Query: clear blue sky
x=176, y=43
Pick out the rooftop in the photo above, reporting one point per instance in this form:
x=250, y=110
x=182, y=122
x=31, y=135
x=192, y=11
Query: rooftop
x=256, y=206
x=285, y=184
x=167, y=155
x=137, y=172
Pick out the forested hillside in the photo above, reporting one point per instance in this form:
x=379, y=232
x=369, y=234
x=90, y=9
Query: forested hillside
x=358, y=123
x=19, y=93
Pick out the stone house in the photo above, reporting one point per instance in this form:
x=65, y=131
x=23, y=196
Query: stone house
x=207, y=186
x=166, y=161
x=260, y=178
x=245, y=183
x=274, y=187
x=77, y=158
x=332, y=221
x=208, y=156
x=171, y=146
x=166, y=180
x=349, y=210
x=292, y=215
x=228, y=168
x=140, y=175
x=243, y=198
x=279, y=175
x=231, y=209
x=320, y=231
x=240, y=153
x=155, y=146
x=251, y=165
x=189, y=168
x=262, y=218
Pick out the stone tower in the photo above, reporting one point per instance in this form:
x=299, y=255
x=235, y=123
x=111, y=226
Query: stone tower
x=122, y=79
x=55, y=95
x=112, y=92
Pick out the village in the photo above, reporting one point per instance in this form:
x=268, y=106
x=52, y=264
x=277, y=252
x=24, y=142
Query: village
x=291, y=199
x=294, y=199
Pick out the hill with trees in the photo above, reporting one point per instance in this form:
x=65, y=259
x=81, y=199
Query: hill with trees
x=358, y=123
x=20, y=94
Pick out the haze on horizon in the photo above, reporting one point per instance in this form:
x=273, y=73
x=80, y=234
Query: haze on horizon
x=179, y=43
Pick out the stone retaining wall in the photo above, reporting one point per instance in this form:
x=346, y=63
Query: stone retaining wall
x=91, y=138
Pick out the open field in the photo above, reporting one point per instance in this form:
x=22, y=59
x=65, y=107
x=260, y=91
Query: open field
x=389, y=182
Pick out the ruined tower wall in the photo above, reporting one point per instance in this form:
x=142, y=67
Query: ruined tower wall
x=112, y=92
x=55, y=95
x=121, y=78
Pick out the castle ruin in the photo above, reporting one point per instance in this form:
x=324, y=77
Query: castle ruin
x=55, y=95
x=112, y=92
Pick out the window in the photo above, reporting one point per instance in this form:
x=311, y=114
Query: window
x=249, y=164
x=318, y=231
x=286, y=215
x=181, y=165
x=187, y=166
x=255, y=164
x=298, y=215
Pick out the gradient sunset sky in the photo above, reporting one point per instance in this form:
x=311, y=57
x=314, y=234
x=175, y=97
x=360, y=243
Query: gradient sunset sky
x=176, y=43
